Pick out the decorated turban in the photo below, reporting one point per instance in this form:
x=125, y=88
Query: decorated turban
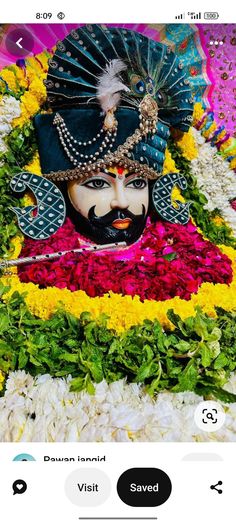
x=113, y=95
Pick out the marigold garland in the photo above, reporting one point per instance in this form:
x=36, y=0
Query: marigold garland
x=186, y=142
x=169, y=163
x=125, y=311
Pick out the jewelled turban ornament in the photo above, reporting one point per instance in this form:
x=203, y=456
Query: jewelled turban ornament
x=113, y=94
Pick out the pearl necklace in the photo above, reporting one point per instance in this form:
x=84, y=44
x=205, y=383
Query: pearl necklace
x=148, y=116
x=70, y=144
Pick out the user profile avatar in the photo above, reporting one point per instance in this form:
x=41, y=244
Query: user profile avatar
x=24, y=457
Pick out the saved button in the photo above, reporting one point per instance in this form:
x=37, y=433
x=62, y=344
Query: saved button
x=144, y=487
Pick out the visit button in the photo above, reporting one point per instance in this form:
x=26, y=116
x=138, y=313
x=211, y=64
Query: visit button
x=143, y=487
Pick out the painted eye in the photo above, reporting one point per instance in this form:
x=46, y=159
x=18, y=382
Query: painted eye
x=149, y=85
x=138, y=85
x=137, y=183
x=97, y=183
x=162, y=98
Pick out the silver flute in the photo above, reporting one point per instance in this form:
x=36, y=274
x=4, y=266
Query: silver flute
x=5, y=264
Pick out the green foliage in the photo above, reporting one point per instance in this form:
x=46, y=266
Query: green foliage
x=198, y=355
x=218, y=234
x=21, y=148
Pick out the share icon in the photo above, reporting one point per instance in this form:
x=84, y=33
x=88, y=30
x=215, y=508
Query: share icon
x=215, y=486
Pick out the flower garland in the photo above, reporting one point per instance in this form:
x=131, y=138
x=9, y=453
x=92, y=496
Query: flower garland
x=27, y=81
x=217, y=231
x=43, y=409
x=215, y=180
x=126, y=310
x=169, y=260
x=203, y=120
x=9, y=110
x=187, y=143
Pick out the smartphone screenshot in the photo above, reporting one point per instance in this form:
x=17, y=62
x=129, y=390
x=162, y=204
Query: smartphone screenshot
x=117, y=263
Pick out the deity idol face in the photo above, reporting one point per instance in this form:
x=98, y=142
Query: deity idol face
x=110, y=206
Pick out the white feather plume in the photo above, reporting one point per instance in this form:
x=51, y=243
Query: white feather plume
x=110, y=86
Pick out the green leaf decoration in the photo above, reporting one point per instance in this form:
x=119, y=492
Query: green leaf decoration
x=197, y=355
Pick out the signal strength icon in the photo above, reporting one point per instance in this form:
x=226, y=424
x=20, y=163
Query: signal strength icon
x=180, y=17
x=195, y=16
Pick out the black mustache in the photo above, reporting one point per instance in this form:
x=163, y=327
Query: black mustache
x=114, y=214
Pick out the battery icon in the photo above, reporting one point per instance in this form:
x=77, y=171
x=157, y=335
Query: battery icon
x=211, y=16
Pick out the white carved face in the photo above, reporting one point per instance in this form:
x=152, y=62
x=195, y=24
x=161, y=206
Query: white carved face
x=111, y=205
x=108, y=191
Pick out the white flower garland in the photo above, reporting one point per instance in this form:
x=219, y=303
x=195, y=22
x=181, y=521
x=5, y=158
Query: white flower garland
x=42, y=409
x=9, y=109
x=215, y=179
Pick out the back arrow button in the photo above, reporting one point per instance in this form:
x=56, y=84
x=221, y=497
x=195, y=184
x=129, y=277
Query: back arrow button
x=18, y=43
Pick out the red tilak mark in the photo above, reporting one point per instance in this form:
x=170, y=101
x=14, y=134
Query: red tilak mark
x=120, y=170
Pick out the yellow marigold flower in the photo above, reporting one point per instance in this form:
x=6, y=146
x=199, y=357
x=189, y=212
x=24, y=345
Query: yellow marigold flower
x=169, y=163
x=44, y=57
x=2, y=378
x=230, y=252
x=31, y=75
x=20, y=121
x=9, y=78
x=39, y=62
x=16, y=244
x=21, y=77
x=30, y=104
x=176, y=195
x=218, y=220
x=34, y=166
x=233, y=163
x=29, y=107
x=186, y=143
x=29, y=199
x=38, y=89
x=198, y=112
